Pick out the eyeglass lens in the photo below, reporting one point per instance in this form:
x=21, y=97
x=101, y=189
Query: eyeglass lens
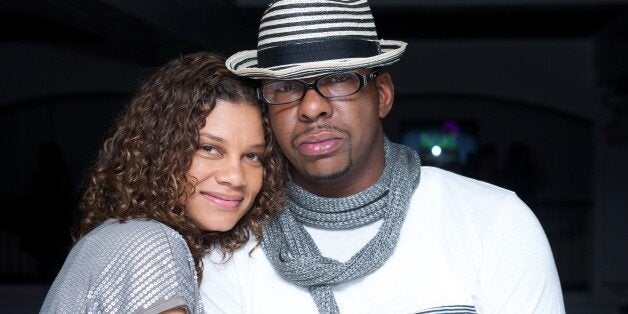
x=333, y=85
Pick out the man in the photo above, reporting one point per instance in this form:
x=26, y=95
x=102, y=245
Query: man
x=365, y=228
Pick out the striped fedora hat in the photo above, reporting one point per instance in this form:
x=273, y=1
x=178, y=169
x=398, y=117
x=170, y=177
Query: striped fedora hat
x=305, y=38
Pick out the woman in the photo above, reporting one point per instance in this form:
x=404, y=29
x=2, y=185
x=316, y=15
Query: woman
x=190, y=167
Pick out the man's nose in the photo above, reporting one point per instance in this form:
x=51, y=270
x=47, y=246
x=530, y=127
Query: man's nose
x=313, y=106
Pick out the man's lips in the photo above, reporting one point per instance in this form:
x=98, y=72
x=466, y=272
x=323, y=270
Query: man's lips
x=320, y=143
x=223, y=201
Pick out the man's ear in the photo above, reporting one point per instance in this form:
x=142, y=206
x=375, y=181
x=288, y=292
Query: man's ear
x=385, y=92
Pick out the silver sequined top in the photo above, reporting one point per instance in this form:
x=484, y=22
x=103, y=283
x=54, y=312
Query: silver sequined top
x=132, y=267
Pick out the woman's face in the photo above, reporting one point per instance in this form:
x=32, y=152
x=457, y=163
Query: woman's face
x=227, y=169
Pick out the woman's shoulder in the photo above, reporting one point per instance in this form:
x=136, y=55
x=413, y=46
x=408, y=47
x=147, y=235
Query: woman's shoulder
x=126, y=243
x=115, y=233
x=126, y=227
x=137, y=263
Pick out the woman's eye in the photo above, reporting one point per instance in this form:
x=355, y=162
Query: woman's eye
x=255, y=157
x=209, y=150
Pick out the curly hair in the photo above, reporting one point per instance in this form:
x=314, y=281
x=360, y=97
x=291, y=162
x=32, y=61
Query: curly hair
x=141, y=168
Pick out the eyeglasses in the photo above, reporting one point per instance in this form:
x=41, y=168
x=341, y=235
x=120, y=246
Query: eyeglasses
x=329, y=86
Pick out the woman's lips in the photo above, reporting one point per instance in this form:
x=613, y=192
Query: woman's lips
x=223, y=201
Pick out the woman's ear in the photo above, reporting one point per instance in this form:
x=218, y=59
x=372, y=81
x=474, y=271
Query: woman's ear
x=385, y=92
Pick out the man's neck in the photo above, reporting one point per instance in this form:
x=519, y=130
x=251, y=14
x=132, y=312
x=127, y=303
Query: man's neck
x=347, y=185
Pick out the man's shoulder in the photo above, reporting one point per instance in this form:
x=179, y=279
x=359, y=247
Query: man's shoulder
x=460, y=185
x=455, y=195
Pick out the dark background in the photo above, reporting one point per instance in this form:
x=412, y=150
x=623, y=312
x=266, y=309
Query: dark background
x=541, y=86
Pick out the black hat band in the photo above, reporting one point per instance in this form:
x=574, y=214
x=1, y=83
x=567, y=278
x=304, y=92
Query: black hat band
x=317, y=51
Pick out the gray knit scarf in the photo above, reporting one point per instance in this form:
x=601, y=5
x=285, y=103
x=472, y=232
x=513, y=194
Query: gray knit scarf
x=294, y=254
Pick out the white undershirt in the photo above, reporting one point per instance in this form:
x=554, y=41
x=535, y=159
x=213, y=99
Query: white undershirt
x=352, y=240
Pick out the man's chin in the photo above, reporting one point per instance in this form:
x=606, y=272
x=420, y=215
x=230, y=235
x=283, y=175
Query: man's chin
x=325, y=176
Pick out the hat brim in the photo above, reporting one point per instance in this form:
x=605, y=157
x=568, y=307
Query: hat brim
x=244, y=63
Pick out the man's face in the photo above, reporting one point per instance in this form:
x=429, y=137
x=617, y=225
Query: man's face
x=335, y=145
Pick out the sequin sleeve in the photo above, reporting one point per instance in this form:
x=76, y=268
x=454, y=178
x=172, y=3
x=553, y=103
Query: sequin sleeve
x=131, y=267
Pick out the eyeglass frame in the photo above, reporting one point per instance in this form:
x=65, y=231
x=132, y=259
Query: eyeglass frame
x=364, y=80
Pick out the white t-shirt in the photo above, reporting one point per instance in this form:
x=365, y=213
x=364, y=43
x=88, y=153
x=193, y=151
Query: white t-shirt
x=465, y=247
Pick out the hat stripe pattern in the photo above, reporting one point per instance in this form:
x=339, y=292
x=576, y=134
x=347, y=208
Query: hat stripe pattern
x=312, y=12
x=303, y=6
x=308, y=16
x=292, y=13
x=302, y=38
x=300, y=23
x=306, y=35
x=282, y=5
